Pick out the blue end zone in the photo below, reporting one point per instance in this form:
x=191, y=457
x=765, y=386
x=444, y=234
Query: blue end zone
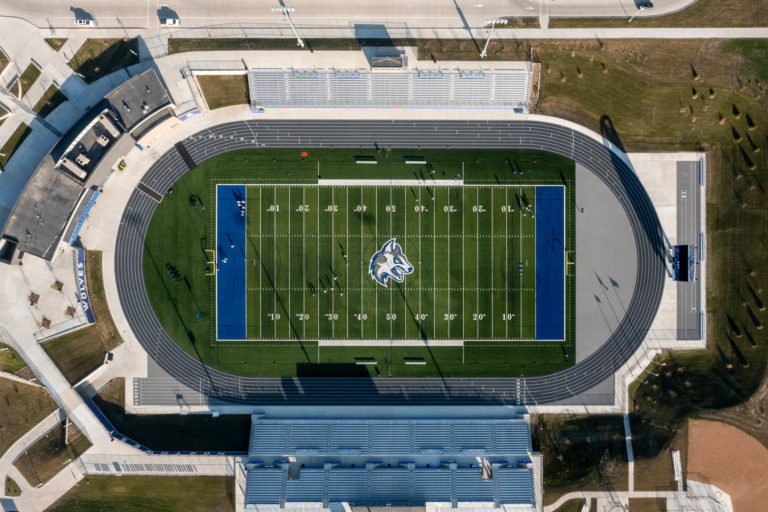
x=230, y=262
x=550, y=263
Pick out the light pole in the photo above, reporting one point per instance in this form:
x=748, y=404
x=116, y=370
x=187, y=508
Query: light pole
x=287, y=10
x=500, y=21
x=641, y=8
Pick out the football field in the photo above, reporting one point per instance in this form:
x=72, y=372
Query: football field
x=285, y=263
x=308, y=255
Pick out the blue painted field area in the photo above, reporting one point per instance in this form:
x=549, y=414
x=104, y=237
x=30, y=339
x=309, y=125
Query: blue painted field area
x=230, y=262
x=550, y=263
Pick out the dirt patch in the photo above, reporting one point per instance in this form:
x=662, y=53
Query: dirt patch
x=724, y=456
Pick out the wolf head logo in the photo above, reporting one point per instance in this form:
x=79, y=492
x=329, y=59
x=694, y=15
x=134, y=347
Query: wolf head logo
x=389, y=262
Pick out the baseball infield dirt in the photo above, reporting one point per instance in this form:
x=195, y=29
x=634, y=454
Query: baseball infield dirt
x=724, y=456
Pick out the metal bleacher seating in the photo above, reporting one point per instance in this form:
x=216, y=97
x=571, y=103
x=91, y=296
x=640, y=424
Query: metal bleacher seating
x=401, y=438
x=507, y=88
x=506, y=485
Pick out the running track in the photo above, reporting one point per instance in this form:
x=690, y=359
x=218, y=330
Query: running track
x=620, y=179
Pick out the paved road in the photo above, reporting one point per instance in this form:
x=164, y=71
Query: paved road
x=424, y=14
x=306, y=134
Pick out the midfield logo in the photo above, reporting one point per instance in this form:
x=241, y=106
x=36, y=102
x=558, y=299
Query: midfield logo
x=389, y=262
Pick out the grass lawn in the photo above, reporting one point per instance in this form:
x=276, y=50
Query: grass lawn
x=224, y=90
x=13, y=142
x=56, y=43
x=299, y=354
x=520, y=22
x=4, y=60
x=571, y=506
x=28, y=78
x=23, y=407
x=10, y=360
x=702, y=13
x=647, y=504
x=11, y=487
x=171, y=432
x=654, y=470
x=99, y=57
x=582, y=453
x=149, y=494
x=52, y=98
x=49, y=455
x=80, y=352
x=179, y=45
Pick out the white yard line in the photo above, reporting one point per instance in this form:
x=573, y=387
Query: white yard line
x=333, y=283
x=448, y=214
x=520, y=320
x=362, y=275
x=493, y=235
x=376, y=243
x=303, y=264
x=506, y=263
x=289, y=263
x=346, y=259
x=405, y=282
x=261, y=271
x=391, y=322
x=434, y=262
x=317, y=246
x=274, y=258
x=421, y=214
x=477, y=264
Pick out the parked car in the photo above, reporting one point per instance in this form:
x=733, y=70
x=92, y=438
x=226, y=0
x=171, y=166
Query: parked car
x=170, y=22
x=84, y=22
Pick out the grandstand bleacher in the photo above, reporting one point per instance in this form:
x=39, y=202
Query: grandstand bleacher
x=316, y=463
x=457, y=88
x=391, y=438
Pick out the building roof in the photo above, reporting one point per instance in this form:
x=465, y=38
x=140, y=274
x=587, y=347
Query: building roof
x=42, y=210
x=138, y=98
x=83, y=158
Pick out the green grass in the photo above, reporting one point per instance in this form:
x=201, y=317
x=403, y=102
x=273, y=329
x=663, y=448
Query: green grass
x=702, y=13
x=582, y=452
x=573, y=505
x=79, y=353
x=149, y=494
x=301, y=234
x=13, y=142
x=11, y=487
x=49, y=455
x=52, y=98
x=56, y=43
x=99, y=57
x=23, y=407
x=190, y=227
x=520, y=22
x=28, y=78
x=10, y=360
x=179, y=45
x=224, y=90
x=172, y=432
x=4, y=60
x=753, y=51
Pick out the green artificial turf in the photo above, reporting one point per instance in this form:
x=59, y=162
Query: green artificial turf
x=460, y=244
